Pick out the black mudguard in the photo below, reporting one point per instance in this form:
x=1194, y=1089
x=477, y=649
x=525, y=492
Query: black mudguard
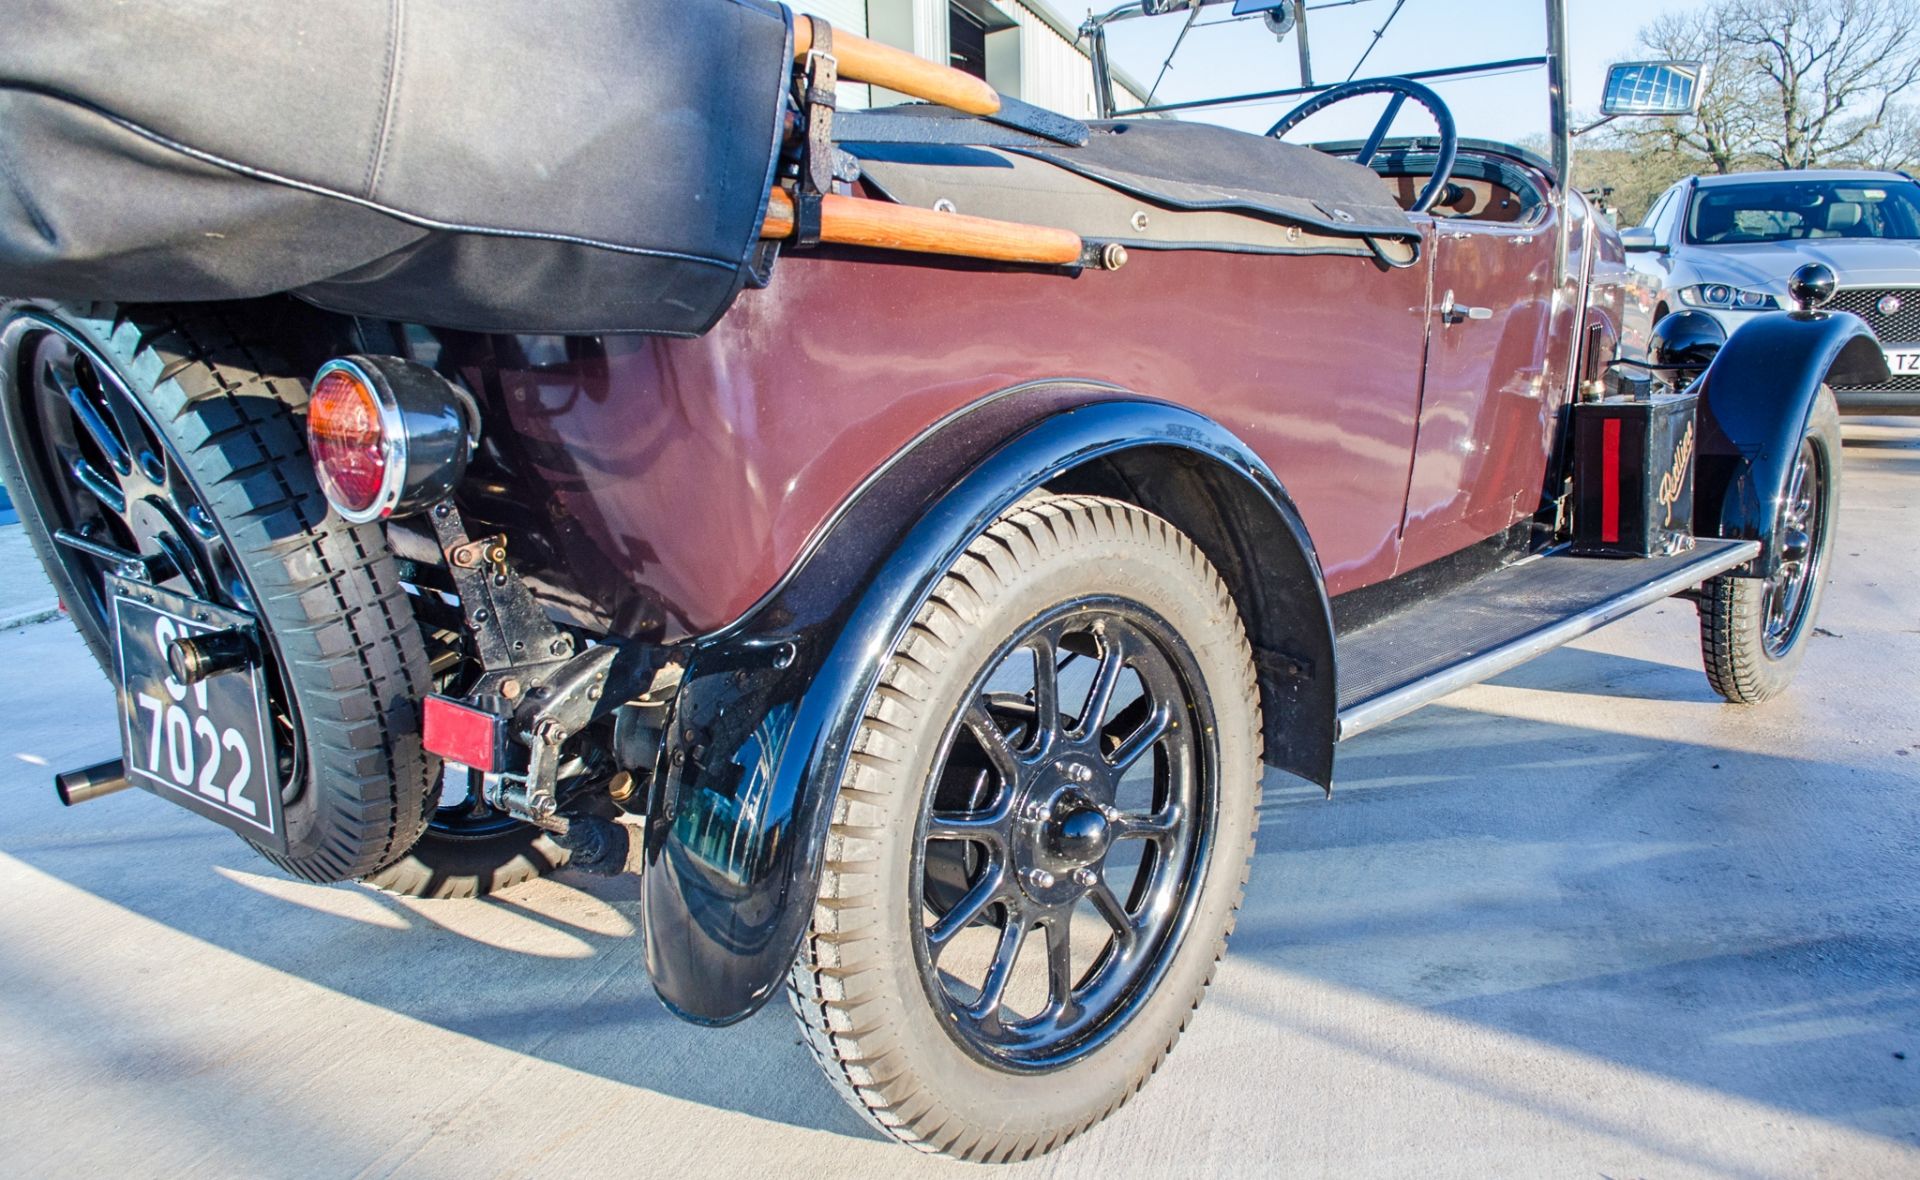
x=1755, y=399
x=767, y=710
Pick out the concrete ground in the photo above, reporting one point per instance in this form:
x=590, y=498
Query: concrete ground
x=1582, y=921
x=25, y=595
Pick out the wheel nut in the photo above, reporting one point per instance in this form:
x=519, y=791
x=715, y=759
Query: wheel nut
x=1084, y=877
x=1040, y=878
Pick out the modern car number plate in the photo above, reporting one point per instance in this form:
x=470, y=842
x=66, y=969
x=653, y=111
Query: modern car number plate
x=1903, y=361
x=205, y=746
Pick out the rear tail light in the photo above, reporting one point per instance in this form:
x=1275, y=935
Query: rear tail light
x=388, y=437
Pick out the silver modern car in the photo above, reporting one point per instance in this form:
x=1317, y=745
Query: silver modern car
x=1726, y=245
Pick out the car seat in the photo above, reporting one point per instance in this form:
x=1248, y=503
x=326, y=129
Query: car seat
x=1845, y=219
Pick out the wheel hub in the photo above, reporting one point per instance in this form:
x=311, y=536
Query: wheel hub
x=1079, y=836
x=1064, y=831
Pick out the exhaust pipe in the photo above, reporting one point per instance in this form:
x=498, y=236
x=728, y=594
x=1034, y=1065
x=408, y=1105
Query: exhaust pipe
x=91, y=782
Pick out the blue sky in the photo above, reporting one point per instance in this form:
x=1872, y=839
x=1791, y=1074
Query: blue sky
x=1242, y=57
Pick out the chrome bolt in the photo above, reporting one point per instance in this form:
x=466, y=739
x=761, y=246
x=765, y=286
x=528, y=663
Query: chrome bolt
x=1080, y=773
x=1083, y=877
x=1040, y=878
x=1036, y=811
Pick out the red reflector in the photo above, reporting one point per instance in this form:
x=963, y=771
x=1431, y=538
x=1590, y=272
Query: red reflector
x=1610, y=481
x=463, y=734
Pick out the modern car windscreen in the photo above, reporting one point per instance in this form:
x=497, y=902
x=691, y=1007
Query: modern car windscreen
x=1798, y=210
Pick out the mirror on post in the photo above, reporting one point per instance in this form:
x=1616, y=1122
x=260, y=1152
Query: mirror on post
x=1648, y=88
x=1651, y=88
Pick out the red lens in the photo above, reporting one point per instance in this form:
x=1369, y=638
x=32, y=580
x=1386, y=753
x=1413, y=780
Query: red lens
x=343, y=435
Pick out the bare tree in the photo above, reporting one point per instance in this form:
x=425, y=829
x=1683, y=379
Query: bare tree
x=1728, y=124
x=1891, y=146
x=1830, y=69
x=1789, y=83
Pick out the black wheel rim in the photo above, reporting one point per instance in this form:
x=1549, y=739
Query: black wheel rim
x=101, y=471
x=1068, y=816
x=1803, y=523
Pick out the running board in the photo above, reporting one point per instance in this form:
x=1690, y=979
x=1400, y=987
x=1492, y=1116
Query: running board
x=1392, y=667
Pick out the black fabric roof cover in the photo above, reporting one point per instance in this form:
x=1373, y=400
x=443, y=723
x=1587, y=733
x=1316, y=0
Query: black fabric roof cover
x=1200, y=166
x=1192, y=166
x=567, y=166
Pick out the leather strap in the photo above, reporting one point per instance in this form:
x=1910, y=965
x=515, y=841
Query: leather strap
x=817, y=154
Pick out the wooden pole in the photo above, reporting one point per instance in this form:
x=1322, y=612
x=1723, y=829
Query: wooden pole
x=861, y=60
x=858, y=221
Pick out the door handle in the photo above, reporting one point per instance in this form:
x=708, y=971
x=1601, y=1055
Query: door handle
x=1459, y=313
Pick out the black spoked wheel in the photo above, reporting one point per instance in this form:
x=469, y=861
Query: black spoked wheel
x=1754, y=632
x=119, y=498
x=1789, y=593
x=168, y=441
x=1068, y=812
x=1039, y=847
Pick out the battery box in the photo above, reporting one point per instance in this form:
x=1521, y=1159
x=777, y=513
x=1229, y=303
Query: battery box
x=1633, y=475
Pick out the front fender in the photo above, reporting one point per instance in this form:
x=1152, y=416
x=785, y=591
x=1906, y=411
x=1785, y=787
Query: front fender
x=1755, y=400
x=764, y=719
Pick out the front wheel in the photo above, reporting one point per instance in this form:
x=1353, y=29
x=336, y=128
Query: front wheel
x=1754, y=632
x=1041, y=839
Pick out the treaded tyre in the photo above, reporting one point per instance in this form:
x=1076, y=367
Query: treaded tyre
x=178, y=431
x=447, y=862
x=1753, y=631
x=1042, y=837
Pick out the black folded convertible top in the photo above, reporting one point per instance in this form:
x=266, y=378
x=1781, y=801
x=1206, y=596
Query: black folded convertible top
x=569, y=166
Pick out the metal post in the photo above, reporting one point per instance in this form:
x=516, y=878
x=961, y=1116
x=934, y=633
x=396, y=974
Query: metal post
x=1557, y=90
x=1562, y=137
x=1300, y=30
x=1102, y=81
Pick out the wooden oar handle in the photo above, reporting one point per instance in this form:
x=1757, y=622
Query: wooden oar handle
x=858, y=221
x=861, y=60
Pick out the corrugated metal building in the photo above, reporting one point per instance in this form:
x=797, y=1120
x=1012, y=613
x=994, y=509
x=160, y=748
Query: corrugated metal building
x=1021, y=47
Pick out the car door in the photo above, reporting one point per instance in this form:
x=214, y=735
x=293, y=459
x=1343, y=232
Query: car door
x=1488, y=401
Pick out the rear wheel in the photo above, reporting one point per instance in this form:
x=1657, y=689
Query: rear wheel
x=1753, y=631
x=176, y=435
x=173, y=436
x=1040, y=843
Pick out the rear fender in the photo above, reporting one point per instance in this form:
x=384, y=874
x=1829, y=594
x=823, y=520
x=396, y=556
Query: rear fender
x=768, y=708
x=1755, y=400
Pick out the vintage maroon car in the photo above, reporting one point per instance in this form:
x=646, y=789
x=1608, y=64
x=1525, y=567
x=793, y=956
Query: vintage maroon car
x=922, y=525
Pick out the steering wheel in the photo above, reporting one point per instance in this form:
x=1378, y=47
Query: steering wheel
x=1402, y=90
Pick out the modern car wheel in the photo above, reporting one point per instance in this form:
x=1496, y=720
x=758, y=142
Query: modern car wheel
x=1754, y=632
x=177, y=437
x=1041, y=840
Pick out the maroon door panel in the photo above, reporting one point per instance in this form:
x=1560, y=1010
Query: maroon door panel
x=703, y=467
x=1487, y=409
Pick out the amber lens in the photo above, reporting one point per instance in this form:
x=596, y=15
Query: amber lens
x=343, y=434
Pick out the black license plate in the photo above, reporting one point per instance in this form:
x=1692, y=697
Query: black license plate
x=205, y=746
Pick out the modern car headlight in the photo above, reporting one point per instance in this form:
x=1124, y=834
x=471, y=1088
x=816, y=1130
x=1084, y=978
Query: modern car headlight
x=1725, y=295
